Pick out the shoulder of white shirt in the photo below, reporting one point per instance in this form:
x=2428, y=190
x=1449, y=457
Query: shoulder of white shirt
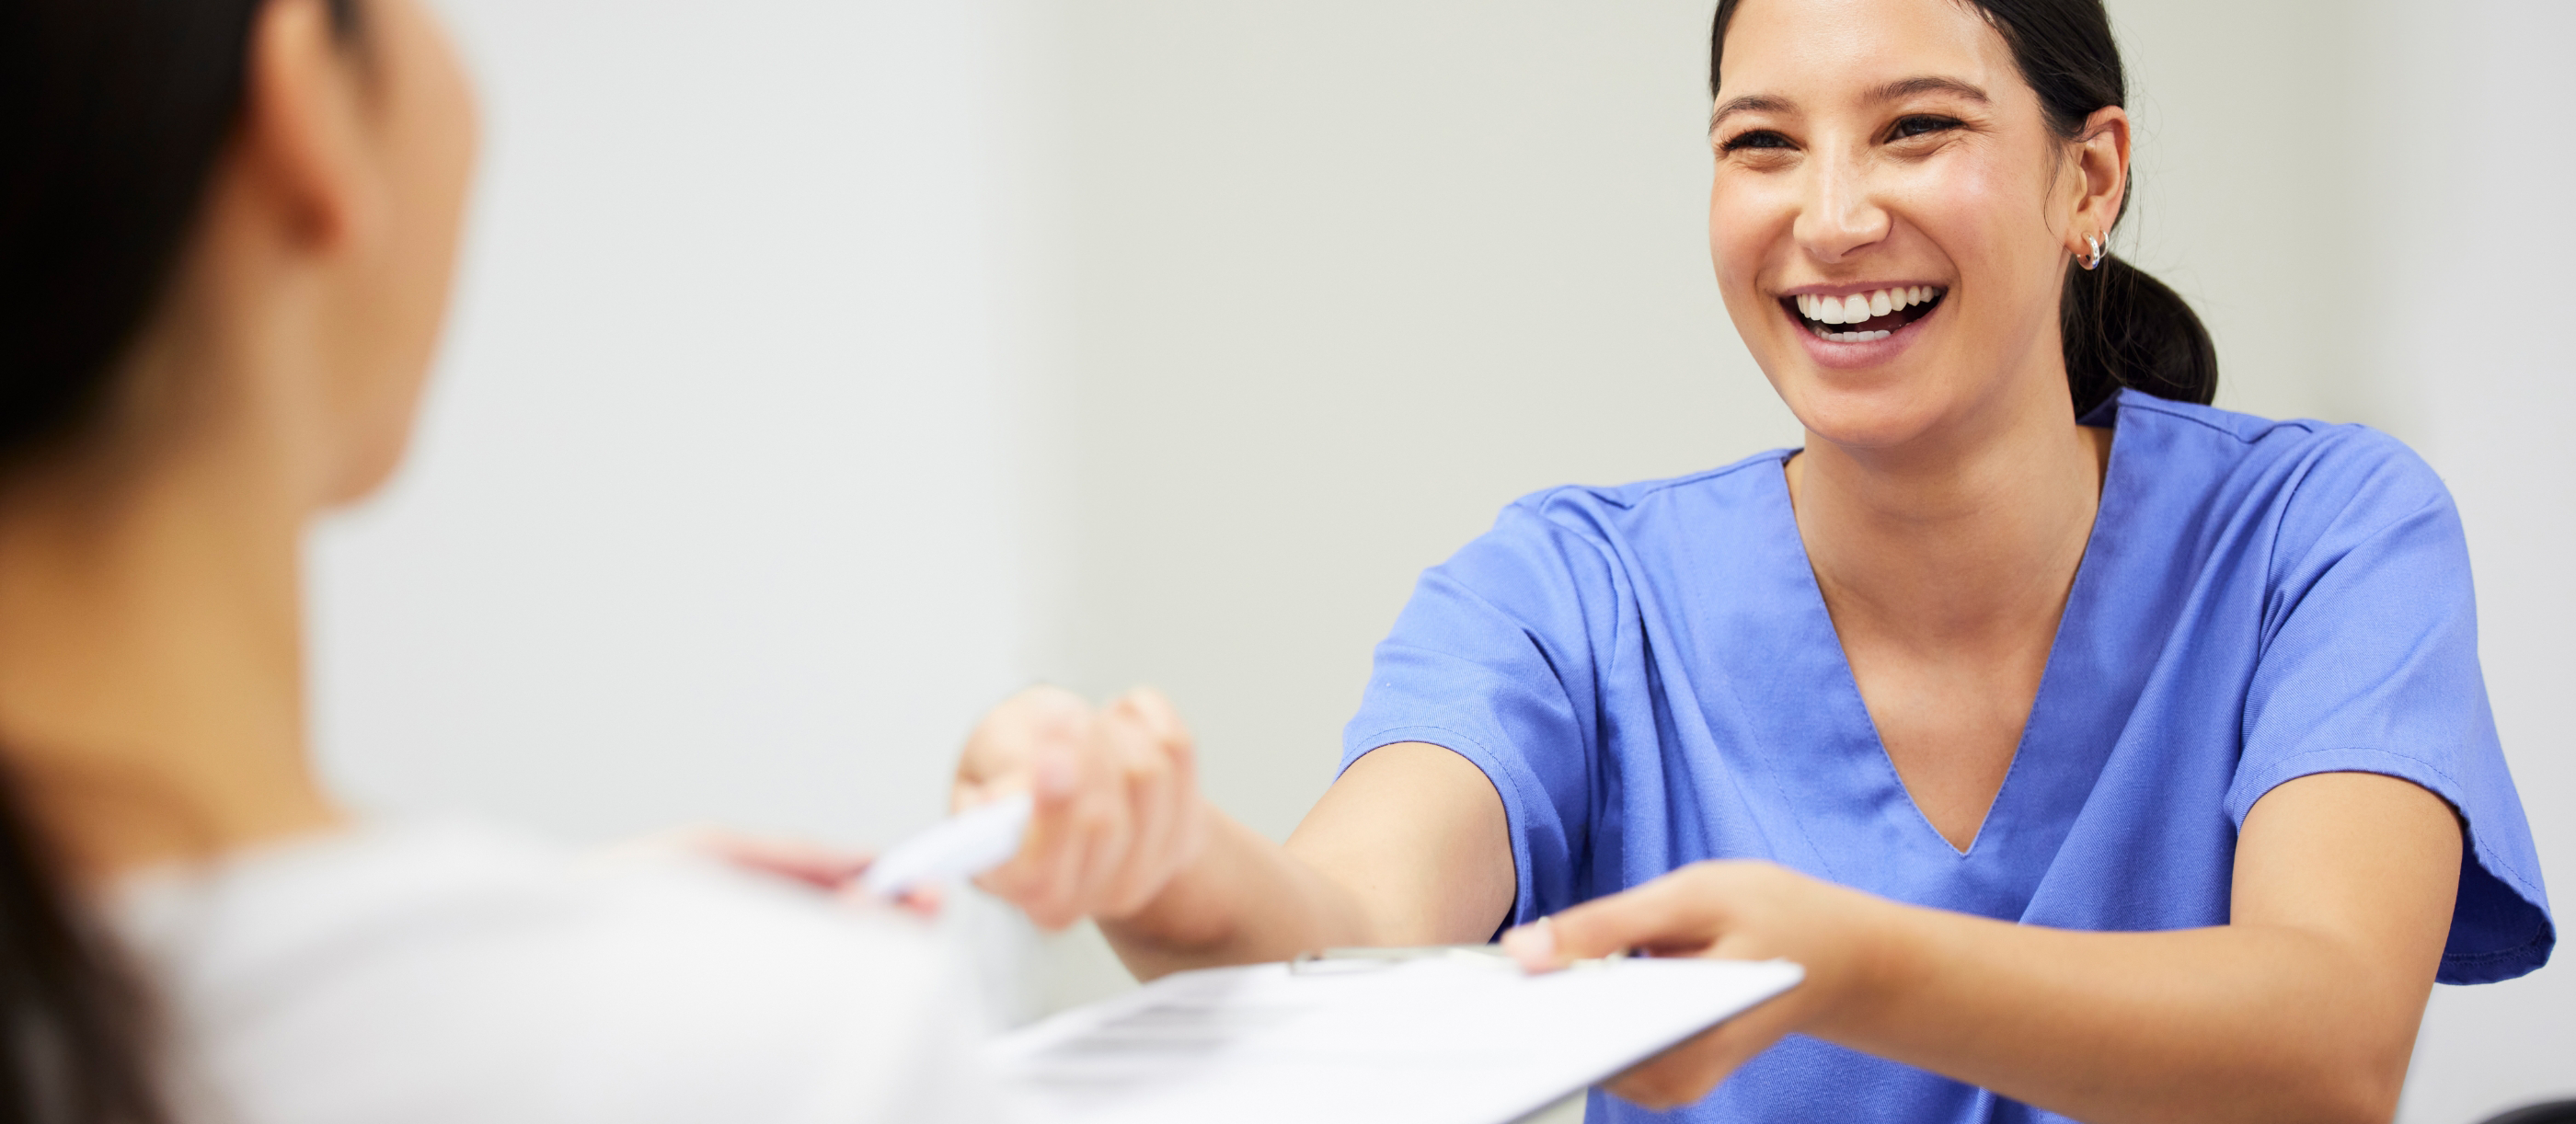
x=329, y=977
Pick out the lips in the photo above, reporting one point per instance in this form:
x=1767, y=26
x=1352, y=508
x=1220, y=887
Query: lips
x=1864, y=316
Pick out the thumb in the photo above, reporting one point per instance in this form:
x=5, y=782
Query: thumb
x=1662, y=915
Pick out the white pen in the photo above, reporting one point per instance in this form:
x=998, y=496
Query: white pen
x=961, y=846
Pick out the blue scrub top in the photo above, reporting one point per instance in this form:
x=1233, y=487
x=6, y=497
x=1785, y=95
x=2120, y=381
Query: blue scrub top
x=1648, y=676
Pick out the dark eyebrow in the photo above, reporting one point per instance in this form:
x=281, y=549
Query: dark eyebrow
x=1749, y=103
x=1894, y=91
x=1906, y=88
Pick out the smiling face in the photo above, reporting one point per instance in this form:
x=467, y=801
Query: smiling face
x=1891, y=215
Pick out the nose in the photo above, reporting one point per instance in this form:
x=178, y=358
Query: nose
x=1840, y=215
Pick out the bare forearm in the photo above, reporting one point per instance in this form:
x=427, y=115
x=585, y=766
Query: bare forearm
x=2255, y=1023
x=2303, y=1008
x=1244, y=900
x=1408, y=847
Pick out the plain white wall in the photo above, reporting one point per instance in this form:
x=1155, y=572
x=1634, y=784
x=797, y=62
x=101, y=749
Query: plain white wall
x=711, y=515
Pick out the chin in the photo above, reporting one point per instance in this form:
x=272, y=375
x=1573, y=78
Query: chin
x=1863, y=410
x=1874, y=374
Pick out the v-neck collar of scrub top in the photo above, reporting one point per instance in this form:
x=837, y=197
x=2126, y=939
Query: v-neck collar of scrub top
x=1825, y=757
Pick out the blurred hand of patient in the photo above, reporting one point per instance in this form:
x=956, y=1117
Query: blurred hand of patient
x=1118, y=810
x=817, y=866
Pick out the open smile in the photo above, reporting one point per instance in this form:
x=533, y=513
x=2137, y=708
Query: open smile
x=1862, y=317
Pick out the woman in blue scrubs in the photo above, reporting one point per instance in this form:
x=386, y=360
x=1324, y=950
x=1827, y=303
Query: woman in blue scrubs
x=2101, y=754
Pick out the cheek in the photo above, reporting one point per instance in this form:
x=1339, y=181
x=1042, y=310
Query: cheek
x=1751, y=222
x=1988, y=218
x=432, y=138
x=440, y=138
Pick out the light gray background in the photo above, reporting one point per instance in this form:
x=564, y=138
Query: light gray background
x=822, y=370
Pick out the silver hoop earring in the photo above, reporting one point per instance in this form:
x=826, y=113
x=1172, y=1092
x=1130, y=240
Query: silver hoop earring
x=2095, y=244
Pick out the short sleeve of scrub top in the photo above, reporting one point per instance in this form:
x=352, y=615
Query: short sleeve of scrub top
x=1649, y=678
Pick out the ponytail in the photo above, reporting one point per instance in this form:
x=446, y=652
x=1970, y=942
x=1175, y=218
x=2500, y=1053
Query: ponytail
x=2121, y=328
x=112, y=115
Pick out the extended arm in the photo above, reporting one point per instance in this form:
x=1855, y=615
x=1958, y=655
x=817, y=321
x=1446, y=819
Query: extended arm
x=1409, y=846
x=2303, y=1007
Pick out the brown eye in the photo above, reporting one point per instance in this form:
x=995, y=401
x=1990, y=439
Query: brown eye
x=1754, y=138
x=1920, y=125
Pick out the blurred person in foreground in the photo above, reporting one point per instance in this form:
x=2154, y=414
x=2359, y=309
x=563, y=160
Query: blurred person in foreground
x=226, y=234
x=2101, y=754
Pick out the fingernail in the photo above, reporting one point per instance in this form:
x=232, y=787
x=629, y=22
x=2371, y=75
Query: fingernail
x=1534, y=945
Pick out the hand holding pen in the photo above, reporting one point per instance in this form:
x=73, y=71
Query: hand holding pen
x=1116, y=807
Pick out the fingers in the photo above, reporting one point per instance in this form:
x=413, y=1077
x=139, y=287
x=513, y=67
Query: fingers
x=1148, y=790
x=1117, y=809
x=1128, y=773
x=1676, y=914
x=1045, y=878
x=1162, y=785
x=1674, y=1078
x=814, y=864
x=1006, y=746
x=1728, y=910
x=924, y=902
x=811, y=863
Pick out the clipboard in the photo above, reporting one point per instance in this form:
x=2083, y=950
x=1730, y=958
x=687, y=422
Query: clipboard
x=1416, y=1036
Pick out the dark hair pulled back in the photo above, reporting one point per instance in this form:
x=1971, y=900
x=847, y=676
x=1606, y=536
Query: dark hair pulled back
x=112, y=116
x=2121, y=327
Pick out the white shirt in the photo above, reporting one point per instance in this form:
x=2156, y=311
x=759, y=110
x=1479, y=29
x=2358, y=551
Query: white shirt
x=443, y=975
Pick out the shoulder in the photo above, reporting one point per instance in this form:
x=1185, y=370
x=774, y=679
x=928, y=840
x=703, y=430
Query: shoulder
x=452, y=974
x=2313, y=484
x=1625, y=513
x=2321, y=459
x=1732, y=484
x=1586, y=540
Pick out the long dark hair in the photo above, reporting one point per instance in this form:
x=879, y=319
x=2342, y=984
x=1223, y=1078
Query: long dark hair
x=2121, y=327
x=112, y=116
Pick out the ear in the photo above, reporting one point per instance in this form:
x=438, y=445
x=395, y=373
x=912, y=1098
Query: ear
x=303, y=138
x=2101, y=157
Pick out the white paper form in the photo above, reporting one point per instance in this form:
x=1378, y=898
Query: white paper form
x=1459, y=1040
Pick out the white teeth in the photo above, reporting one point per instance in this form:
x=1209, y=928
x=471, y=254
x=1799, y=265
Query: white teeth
x=1854, y=337
x=1858, y=307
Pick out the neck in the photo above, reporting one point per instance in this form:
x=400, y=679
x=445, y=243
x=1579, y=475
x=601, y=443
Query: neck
x=151, y=702
x=1960, y=540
